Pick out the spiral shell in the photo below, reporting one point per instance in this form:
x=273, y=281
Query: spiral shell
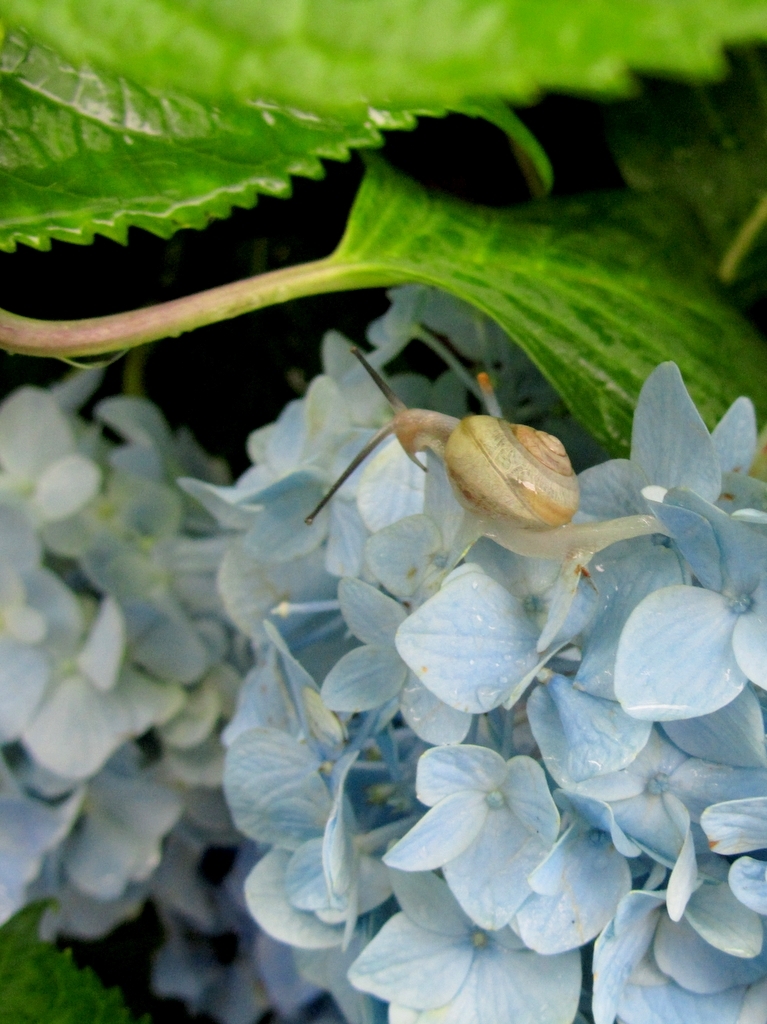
x=511, y=472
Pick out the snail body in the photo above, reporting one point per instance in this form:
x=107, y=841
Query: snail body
x=516, y=483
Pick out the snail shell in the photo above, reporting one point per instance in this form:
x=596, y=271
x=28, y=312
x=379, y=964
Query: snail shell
x=511, y=472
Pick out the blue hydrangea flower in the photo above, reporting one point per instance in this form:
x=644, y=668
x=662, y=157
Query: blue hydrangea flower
x=490, y=825
x=432, y=963
x=709, y=966
x=686, y=651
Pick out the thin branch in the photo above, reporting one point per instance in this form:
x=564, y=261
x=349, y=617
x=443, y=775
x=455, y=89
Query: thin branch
x=76, y=338
x=743, y=242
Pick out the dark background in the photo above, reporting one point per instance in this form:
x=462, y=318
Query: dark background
x=228, y=378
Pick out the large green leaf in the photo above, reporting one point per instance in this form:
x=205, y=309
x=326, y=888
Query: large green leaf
x=40, y=984
x=707, y=146
x=597, y=290
x=84, y=152
x=392, y=51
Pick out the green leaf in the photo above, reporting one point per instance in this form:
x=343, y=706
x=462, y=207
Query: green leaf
x=339, y=52
x=82, y=152
x=40, y=984
x=596, y=289
x=707, y=146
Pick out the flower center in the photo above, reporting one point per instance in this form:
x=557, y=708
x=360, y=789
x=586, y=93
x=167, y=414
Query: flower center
x=494, y=799
x=659, y=784
x=479, y=939
x=738, y=603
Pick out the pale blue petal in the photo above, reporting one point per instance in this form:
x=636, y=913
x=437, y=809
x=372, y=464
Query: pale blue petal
x=422, y=969
x=698, y=784
x=743, y=497
x=581, y=735
x=675, y=657
x=600, y=814
x=428, y=902
x=233, y=507
x=19, y=545
x=736, y=826
x=442, y=834
x=734, y=437
x=743, y=549
x=441, y=506
x=371, y=616
x=695, y=965
x=695, y=537
x=401, y=318
x=66, y=486
x=337, y=848
x=374, y=884
x=250, y=590
x=28, y=828
x=77, y=728
x=278, y=532
x=138, y=460
x=346, y=539
x=564, y=618
x=74, y=389
x=670, y=1004
x=390, y=488
x=164, y=641
x=470, y=644
x=733, y=735
x=47, y=594
x=723, y=922
x=285, y=440
x=527, y=794
x=620, y=948
x=327, y=969
x=137, y=420
x=623, y=574
x=120, y=839
x=263, y=701
x=430, y=718
x=24, y=674
x=400, y=555
x=305, y=885
x=489, y=879
x=669, y=440
x=267, y=902
x=577, y=890
x=444, y=771
x=365, y=678
x=684, y=875
x=748, y=881
x=516, y=986
x=749, y=641
x=659, y=822
x=273, y=789
x=34, y=433
x=102, y=654
x=611, y=490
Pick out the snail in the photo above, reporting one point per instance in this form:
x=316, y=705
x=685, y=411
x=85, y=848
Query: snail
x=515, y=482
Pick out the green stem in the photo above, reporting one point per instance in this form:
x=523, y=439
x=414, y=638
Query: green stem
x=72, y=338
x=743, y=242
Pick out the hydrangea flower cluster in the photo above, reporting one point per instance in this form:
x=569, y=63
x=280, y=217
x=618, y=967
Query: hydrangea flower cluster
x=448, y=768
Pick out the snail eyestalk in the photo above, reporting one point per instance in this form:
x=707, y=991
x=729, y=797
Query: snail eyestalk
x=394, y=400
x=373, y=443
